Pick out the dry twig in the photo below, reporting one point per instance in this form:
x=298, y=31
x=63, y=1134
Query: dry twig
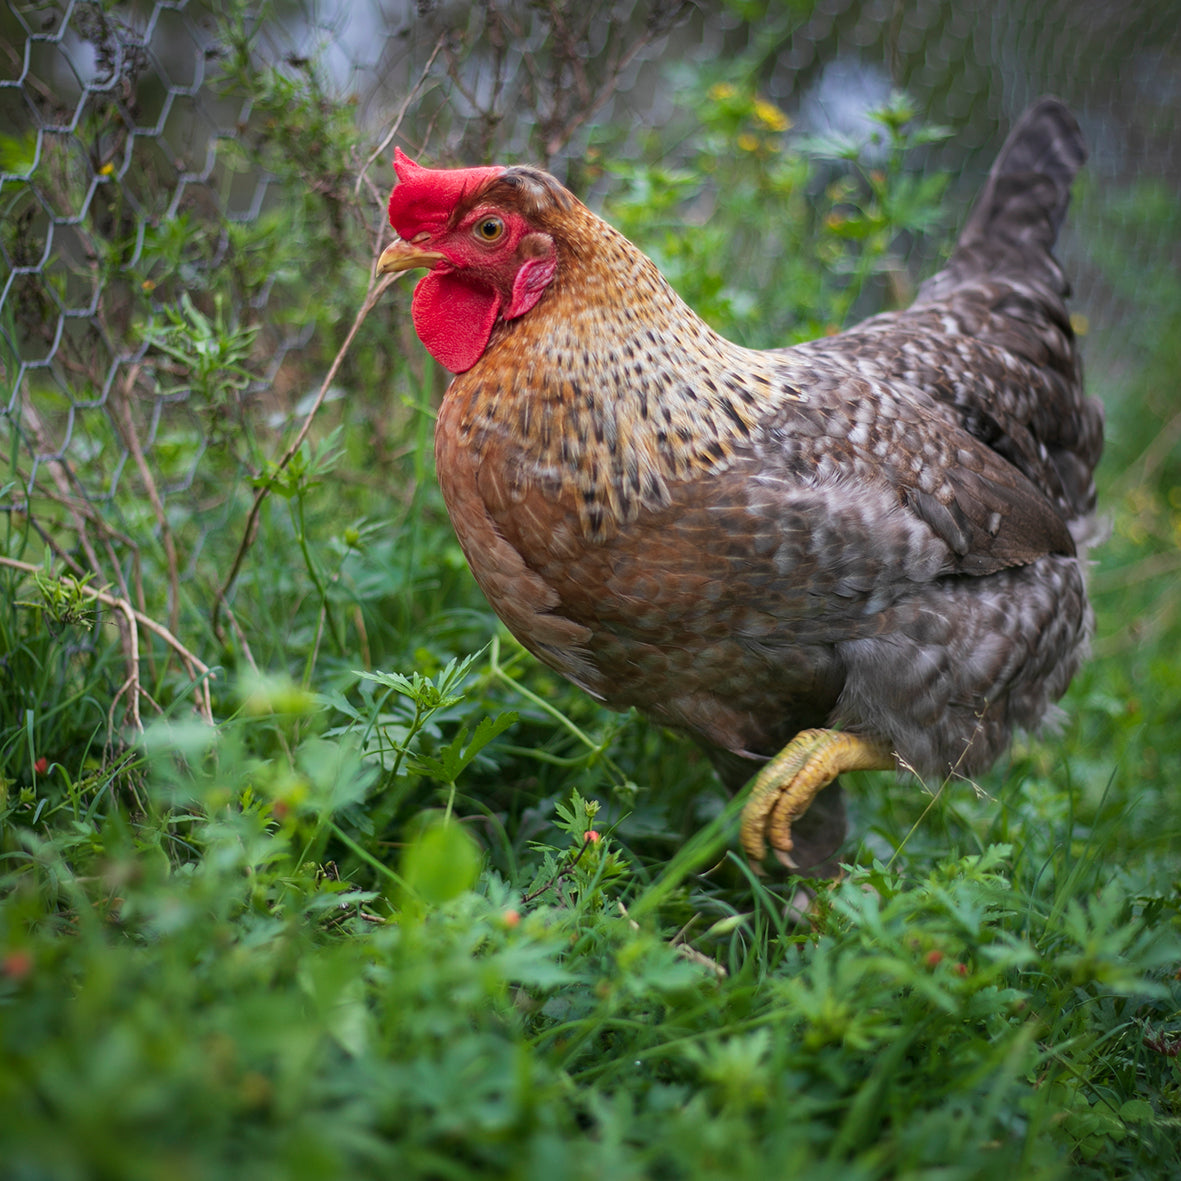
x=121, y=406
x=376, y=290
x=131, y=621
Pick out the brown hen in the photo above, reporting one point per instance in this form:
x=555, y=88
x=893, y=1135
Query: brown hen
x=861, y=552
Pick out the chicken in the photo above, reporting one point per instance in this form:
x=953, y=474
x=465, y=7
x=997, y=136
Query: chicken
x=863, y=552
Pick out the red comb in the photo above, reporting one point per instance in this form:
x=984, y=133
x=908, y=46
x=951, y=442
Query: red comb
x=425, y=198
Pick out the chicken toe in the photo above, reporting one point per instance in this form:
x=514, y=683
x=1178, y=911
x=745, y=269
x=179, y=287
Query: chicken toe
x=787, y=785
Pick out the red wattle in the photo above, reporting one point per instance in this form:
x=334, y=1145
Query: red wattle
x=454, y=318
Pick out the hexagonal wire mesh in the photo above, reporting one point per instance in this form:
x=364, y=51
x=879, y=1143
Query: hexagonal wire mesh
x=121, y=124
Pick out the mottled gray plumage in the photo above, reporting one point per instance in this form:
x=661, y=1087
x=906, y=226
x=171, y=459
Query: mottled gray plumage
x=878, y=531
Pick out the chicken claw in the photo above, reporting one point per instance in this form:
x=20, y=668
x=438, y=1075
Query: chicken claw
x=787, y=785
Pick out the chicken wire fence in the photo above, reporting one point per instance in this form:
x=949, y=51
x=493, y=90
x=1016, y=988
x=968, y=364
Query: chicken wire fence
x=139, y=154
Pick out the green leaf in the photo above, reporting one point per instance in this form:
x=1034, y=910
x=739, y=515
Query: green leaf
x=441, y=863
x=455, y=757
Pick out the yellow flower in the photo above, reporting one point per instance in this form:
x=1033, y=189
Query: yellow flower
x=770, y=116
x=720, y=91
x=108, y=169
x=748, y=142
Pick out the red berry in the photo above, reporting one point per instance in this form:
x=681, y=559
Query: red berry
x=16, y=964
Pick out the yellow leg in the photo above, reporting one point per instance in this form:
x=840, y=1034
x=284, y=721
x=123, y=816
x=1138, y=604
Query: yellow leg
x=787, y=785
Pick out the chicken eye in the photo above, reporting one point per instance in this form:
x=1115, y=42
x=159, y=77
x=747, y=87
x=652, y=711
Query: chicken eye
x=489, y=229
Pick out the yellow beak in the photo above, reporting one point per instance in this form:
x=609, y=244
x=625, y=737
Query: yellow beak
x=405, y=256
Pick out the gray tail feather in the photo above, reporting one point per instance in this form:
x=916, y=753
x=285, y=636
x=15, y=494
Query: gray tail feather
x=1027, y=193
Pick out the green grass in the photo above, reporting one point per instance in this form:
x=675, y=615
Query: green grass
x=411, y=906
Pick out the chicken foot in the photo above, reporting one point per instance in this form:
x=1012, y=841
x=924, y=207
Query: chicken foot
x=787, y=785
